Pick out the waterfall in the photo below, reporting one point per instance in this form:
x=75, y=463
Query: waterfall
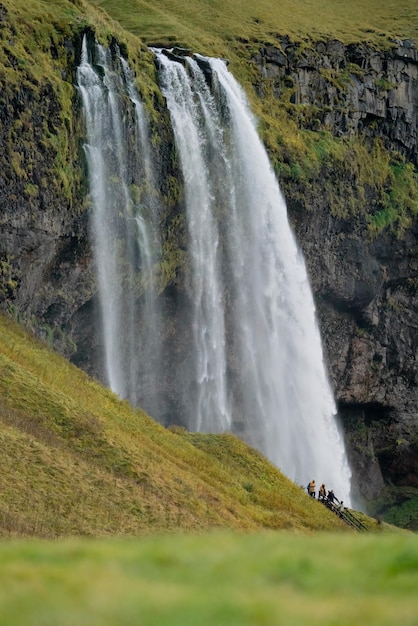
x=256, y=346
x=242, y=351
x=123, y=224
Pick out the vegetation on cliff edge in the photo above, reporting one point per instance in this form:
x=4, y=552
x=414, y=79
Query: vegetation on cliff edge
x=357, y=177
x=218, y=24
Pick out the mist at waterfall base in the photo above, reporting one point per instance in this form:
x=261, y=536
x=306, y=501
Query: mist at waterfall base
x=254, y=362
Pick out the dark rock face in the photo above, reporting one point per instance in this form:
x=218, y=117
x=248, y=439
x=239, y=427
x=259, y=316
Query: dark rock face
x=365, y=288
x=366, y=295
x=45, y=271
x=355, y=88
x=45, y=268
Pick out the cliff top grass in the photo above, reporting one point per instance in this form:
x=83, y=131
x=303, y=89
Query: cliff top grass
x=204, y=25
x=76, y=460
x=33, y=32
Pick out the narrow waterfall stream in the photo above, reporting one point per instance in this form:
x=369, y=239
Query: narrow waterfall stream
x=123, y=221
x=254, y=348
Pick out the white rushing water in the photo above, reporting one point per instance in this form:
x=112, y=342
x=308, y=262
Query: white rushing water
x=123, y=216
x=255, y=340
x=253, y=362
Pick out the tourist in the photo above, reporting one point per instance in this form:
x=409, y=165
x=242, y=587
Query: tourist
x=312, y=489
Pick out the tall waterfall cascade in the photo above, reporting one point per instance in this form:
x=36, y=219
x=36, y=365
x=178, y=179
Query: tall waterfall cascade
x=124, y=219
x=254, y=356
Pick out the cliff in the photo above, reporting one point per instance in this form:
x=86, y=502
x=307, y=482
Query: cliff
x=346, y=159
x=43, y=277
x=360, y=248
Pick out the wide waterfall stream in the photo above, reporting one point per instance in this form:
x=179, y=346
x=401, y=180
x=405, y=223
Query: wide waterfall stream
x=254, y=356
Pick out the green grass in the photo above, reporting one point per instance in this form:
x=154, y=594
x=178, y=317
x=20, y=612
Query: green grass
x=208, y=24
x=78, y=461
x=219, y=579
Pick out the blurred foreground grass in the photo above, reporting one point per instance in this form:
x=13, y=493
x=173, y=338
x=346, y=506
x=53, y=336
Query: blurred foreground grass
x=217, y=579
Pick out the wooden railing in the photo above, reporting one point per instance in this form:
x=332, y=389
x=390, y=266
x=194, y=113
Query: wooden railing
x=345, y=514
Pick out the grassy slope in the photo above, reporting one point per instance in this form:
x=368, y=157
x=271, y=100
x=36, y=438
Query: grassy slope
x=76, y=460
